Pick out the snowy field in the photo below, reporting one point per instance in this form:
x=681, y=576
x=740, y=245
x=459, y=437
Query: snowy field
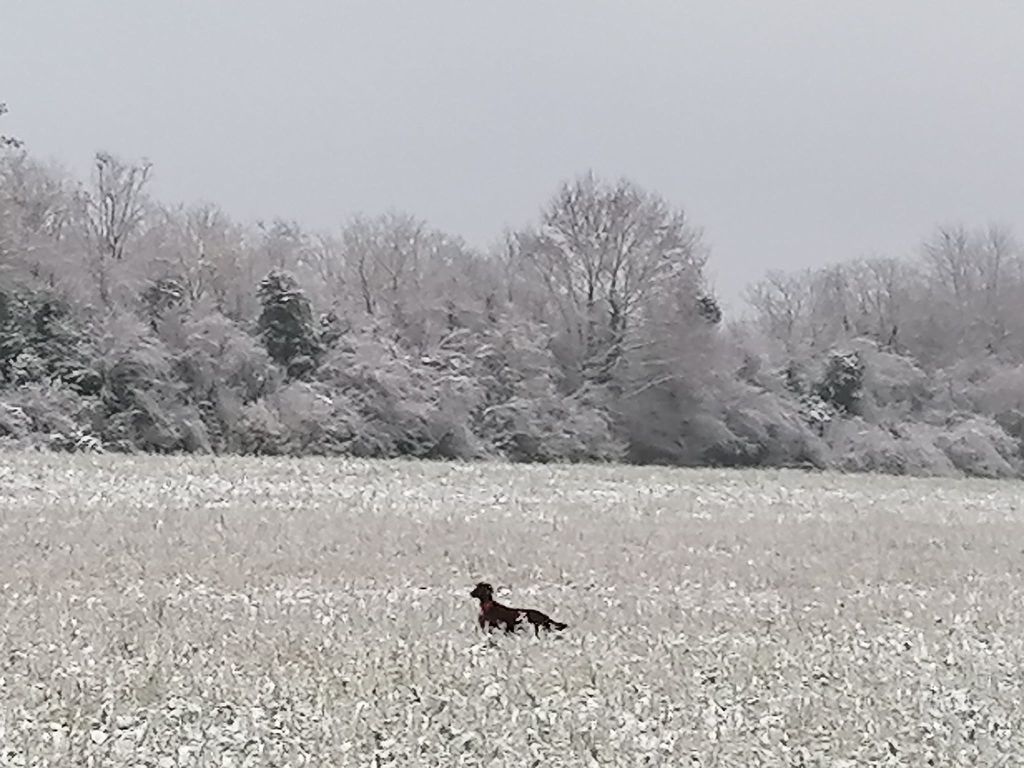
x=237, y=612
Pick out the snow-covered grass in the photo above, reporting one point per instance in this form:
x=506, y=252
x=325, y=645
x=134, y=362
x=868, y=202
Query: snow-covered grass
x=232, y=612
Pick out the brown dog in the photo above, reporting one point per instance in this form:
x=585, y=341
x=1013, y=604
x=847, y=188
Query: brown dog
x=493, y=614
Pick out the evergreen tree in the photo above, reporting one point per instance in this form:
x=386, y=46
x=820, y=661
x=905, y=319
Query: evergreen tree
x=161, y=296
x=842, y=383
x=286, y=325
x=709, y=309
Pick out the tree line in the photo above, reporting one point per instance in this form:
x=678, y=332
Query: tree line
x=589, y=335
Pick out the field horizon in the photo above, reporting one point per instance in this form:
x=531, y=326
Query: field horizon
x=264, y=611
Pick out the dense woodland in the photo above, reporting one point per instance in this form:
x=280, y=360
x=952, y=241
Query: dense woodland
x=590, y=335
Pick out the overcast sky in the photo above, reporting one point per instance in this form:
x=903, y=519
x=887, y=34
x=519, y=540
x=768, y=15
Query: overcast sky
x=793, y=133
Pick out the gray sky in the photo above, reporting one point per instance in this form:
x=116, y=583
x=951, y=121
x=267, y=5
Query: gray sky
x=793, y=133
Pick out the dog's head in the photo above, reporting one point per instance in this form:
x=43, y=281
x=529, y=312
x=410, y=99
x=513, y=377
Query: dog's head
x=482, y=591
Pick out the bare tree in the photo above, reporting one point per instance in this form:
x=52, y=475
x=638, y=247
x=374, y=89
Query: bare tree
x=971, y=276
x=115, y=204
x=35, y=214
x=603, y=251
x=950, y=253
x=193, y=247
x=782, y=305
x=999, y=259
x=114, y=208
x=386, y=255
x=831, y=311
x=321, y=256
x=885, y=288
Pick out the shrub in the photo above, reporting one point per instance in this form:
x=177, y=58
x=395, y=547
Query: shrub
x=145, y=407
x=551, y=427
x=1001, y=396
x=978, y=446
x=921, y=455
x=50, y=414
x=858, y=446
x=776, y=429
x=894, y=383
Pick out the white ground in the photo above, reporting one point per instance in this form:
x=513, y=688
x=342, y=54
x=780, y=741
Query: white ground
x=230, y=612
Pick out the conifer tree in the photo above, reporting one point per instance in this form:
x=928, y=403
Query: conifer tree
x=286, y=324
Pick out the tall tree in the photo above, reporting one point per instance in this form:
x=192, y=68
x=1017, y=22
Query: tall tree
x=114, y=209
x=603, y=251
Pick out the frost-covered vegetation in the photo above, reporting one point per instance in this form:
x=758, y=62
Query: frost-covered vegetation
x=225, y=611
x=127, y=325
